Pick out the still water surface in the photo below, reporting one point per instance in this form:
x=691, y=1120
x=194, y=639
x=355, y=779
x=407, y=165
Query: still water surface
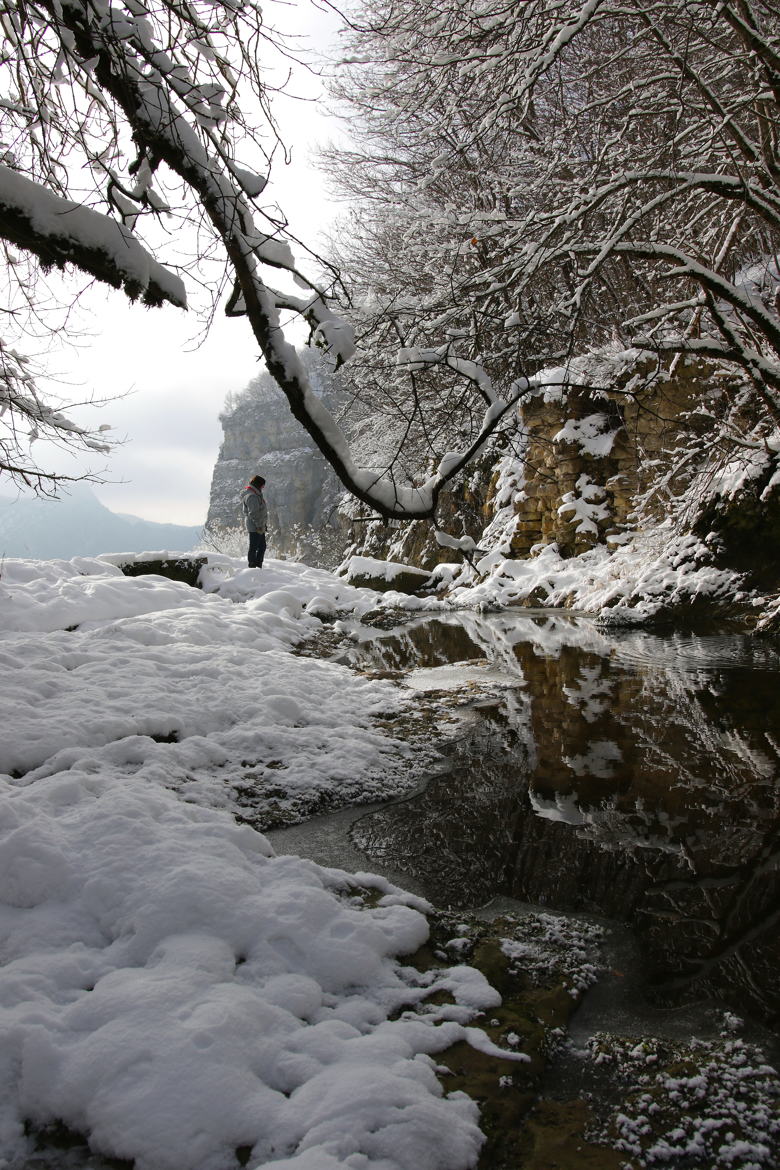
x=621, y=773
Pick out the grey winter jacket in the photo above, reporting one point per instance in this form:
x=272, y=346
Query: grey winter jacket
x=255, y=510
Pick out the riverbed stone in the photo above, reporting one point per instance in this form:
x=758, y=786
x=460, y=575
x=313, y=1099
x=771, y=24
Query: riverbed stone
x=538, y=999
x=553, y=1139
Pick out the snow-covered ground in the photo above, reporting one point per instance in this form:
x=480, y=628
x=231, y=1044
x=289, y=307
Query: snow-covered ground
x=104, y=667
x=169, y=987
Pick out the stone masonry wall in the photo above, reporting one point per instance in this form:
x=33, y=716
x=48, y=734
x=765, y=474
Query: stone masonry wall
x=591, y=454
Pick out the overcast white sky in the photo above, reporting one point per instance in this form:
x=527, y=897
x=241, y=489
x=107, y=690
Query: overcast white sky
x=171, y=393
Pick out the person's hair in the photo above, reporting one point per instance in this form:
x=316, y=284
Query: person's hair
x=257, y=481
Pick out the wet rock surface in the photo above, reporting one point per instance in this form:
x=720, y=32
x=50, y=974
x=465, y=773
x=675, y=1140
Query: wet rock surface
x=406, y=579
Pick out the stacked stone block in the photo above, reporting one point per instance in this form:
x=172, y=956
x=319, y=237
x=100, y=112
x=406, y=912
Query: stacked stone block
x=644, y=415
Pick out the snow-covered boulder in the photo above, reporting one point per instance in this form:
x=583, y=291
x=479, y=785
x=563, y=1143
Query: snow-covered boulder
x=368, y=573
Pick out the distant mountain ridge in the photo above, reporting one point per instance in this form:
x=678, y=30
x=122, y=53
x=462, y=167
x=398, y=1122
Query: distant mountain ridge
x=78, y=525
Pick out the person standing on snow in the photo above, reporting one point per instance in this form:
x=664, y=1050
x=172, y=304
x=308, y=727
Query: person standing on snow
x=256, y=516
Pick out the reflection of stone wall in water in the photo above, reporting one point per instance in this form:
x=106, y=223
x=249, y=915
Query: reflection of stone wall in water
x=456, y=836
x=656, y=800
x=302, y=492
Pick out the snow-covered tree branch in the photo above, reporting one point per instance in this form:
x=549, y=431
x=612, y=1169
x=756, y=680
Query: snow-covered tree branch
x=176, y=88
x=59, y=231
x=25, y=416
x=569, y=175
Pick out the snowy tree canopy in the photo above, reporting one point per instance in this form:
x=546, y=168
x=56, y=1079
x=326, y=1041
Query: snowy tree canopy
x=535, y=180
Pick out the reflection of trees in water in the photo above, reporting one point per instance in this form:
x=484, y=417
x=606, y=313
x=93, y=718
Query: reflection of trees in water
x=623, y=774
x=692, y=808
x=717, y=925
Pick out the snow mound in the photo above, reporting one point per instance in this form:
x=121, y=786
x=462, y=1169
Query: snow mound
x=175, y=992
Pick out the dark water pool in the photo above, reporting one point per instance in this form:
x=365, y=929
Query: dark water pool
x=620, y=773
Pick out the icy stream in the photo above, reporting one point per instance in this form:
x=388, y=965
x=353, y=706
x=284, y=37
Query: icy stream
x=616, y=773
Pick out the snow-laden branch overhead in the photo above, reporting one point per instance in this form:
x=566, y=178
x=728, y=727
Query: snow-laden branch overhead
x=554, y=177
x=59, y=231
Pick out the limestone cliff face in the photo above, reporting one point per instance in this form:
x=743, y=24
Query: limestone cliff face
x=262, y=437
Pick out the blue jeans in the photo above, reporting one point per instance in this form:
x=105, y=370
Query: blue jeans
x=256, y=550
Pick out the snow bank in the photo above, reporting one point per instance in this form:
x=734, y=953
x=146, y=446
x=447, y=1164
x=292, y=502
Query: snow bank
x=228, y=578
x=642, y=579
x=169, y=987
x=40, y=596
x=175, y=992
